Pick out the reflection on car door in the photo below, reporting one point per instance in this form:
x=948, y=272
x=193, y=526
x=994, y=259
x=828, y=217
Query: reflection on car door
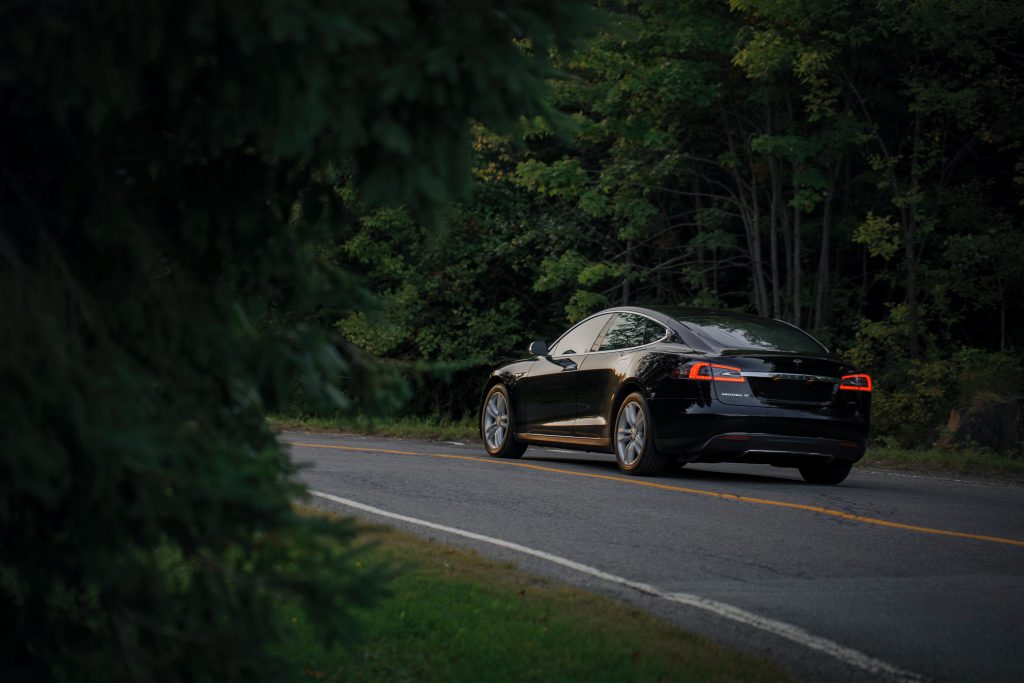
x=549, y=390
x=549, y=394
x=601, y=373
x=595, y=381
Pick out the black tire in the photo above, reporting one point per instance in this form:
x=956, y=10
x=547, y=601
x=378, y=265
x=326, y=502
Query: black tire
x=647, y=460
x=501, y=442
x=831, y=474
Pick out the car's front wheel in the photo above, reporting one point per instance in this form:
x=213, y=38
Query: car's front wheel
x=633, y=439
x=831, y=474
x=496, y=425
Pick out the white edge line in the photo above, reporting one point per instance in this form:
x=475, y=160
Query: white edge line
x=721, y=609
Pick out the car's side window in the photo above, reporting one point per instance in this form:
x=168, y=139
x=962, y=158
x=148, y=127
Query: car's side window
x=653, y=331
x=626, y=331
x=581, y=338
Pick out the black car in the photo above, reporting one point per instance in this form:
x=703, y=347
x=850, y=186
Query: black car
x=662, y=385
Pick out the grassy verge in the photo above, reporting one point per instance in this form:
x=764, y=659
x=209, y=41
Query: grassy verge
x=962, y=461
x=409, y=427
x=455, y=616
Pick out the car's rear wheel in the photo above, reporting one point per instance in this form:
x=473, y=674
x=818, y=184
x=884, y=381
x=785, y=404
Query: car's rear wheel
x=831, y=474
x=634, y=440
x=496, y=425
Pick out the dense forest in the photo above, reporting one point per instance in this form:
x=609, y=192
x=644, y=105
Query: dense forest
x=853, y=168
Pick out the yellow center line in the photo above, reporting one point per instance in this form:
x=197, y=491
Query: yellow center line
x=685, y=489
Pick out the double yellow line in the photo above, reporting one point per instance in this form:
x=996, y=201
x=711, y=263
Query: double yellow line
x=683, y=489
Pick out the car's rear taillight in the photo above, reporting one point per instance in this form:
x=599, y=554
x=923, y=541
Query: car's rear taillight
x=713, y=371
x=855, y=382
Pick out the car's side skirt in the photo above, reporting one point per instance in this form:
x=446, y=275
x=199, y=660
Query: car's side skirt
x=582, y=442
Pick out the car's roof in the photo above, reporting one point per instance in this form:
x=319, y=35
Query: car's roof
x=684, y=312
x=677, y=317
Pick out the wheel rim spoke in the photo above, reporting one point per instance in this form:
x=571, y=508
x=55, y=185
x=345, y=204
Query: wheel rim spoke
x=630, y=433
x=496, y=421
x=623, y=440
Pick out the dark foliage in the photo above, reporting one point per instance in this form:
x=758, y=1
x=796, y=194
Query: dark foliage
x=168, y=172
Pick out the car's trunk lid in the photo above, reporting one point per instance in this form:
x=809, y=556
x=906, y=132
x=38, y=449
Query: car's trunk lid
x=780, y=379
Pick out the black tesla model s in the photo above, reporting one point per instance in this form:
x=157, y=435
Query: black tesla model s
x=658, y=385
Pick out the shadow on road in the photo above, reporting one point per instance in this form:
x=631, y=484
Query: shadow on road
x=593, y=462
x=680, y=474
x=692, y=474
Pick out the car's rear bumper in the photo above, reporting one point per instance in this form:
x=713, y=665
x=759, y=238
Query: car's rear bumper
x=772, y=449
x=758, y=435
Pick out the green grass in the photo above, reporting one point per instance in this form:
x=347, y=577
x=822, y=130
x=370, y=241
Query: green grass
x=455, y=616
x=962, y=461
x=409, y=427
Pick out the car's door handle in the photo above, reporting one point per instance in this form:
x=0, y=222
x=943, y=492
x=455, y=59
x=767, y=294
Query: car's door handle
x=566, y=363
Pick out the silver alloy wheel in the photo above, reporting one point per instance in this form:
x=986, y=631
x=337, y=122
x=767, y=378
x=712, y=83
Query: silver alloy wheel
x=496, y=421
x=630, y=433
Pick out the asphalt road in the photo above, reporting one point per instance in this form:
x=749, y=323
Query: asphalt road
x=887, y=576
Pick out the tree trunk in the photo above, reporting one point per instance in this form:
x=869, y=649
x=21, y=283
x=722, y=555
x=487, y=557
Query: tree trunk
x=1002, y=321
x=750, y=215
x=863, y=281
x=787, y=249
x=714, y=271
x=911, y=261
x=821, y=290
x=773, y=237
x=773, y=220
x=629, y=268
x=909, y=228
x=698, y=206
x=797, y=311
x=754, y=237
x=760, y=290
x=791, y=236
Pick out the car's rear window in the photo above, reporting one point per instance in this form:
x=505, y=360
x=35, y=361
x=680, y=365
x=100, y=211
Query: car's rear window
x=764, y=335
x=629, y=330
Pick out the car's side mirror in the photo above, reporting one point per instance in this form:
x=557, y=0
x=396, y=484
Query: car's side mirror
x=538, y=348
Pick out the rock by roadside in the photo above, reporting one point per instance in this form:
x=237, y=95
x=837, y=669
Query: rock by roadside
x=998, y=425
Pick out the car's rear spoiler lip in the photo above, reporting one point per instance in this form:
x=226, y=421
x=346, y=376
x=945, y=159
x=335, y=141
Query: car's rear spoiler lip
x=775, y=354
